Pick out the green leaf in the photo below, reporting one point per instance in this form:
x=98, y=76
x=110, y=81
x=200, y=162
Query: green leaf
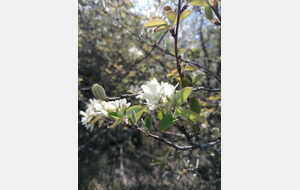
x=161, y=167
x=182, y=95
x=167, y=123
x=190, y=68
x=184, y=83
x=134, y=120
x=195, y=105
x=195, y=128
x=188, y=77
x=117, y=122
x=155, y=23
x=174, y=71
x=171, y=15
x=199, y=75
x=138, y=110
x=214, y=97
x=131, y=120
x=209, y=13
x=183, y=15
x=160, y=28
x=115, y=114
x=201, y=3
x=190, y=115
x=156, y=162
x=148, y=123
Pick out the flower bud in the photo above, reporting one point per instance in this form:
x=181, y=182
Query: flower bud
x=98, y=92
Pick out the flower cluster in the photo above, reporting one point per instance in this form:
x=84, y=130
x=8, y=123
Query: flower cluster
x=98, y=109
x=157, y=94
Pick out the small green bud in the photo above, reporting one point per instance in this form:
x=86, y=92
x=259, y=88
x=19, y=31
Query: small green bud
x=98, y=92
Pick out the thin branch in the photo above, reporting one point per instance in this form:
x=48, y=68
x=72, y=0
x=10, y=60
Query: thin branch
x=176, y=39
x=167, y=52
x=207, y=89
x=194, y=146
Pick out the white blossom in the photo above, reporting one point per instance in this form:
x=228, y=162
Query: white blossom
x=101, y=109
x=156, y=94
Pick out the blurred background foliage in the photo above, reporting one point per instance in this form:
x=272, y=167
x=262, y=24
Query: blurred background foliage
x=116, y=59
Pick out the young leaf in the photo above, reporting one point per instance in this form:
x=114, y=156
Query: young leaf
x=117, y=122
x=148, y=123
x=171, y=15
x=201, y=3
x=190, y=115
x=209, y=13
x=155, y=23
x=115, y=114
x=195, y=105
x=167, y=123
x=131, y=120
x=198, y=76
x=174, y=71
x=183, y=15
x=182, y=95
x=214, y=97
x=134, y=120
x=160, y=28
x=138, y=110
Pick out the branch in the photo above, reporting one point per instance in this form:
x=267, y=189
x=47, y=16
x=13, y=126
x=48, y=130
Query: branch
x=167, y=52
x=194, y=146
x=176, y=38
x=207, y=89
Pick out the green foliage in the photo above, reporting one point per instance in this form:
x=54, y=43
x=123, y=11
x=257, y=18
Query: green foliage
x=182, y=95
x=190, y=115
x=167, y=123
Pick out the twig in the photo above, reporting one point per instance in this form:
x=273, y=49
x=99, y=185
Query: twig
x=176, y=38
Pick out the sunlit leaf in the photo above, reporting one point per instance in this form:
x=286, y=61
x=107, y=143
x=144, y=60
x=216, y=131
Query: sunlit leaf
x=161, y=28
x=171, y=15
x=155, y=23
x=190, y=68
x=214, y=97
x=138, y=110
x=201, y=3
x=190, y=115
x=172, y=72
x=182, y=96
x=183, y=15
